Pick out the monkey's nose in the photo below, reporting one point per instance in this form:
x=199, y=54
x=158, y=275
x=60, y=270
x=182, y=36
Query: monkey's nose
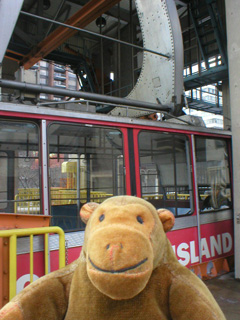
x=110, y=246
x=114, y=249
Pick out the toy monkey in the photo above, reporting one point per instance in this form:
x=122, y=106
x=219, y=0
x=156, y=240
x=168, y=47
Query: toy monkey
x=127, y=270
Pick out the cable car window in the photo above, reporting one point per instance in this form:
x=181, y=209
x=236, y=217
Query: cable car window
x=19, y=167
x=165, y=171
x=213, y=174
x=86, y=164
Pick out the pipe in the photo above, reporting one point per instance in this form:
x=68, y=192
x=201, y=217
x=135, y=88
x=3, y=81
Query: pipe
x=95, y=34
x=29, y=87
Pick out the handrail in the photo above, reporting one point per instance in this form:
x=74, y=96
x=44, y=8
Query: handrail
x=12, y=234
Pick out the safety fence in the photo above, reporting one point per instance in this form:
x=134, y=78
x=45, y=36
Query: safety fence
x=28, y=200
x=13, y=234
x=171, y=196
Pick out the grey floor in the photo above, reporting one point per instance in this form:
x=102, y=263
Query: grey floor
x=226, y=291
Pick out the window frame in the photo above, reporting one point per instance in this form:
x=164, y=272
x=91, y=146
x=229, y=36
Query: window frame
x=121, y=130
x=227, y=149
x=12, y=203
x=190, y=171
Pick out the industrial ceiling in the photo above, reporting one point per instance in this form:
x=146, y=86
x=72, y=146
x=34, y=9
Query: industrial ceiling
x=40, y=34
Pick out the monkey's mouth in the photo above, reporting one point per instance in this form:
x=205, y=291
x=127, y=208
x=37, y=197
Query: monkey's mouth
x=122, y=270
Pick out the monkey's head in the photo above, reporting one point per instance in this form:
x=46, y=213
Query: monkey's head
x=124, y=241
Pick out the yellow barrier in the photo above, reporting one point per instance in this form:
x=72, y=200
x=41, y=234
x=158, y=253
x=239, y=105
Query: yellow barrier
x=13, y=234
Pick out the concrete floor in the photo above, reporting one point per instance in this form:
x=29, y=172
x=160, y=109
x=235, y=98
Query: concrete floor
x=226, y=291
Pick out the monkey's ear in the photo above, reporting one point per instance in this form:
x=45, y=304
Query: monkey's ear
x=167, y=218
x=87, y=210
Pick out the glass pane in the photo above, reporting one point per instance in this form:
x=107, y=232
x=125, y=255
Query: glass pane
x=19, y=167
x=86, y=164
x=165, y=171
x=213, y=174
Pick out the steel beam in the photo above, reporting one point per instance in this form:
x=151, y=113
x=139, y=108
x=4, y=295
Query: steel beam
x=92, y=10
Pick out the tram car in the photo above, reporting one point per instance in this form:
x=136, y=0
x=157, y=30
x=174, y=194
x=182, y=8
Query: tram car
x=51, y=163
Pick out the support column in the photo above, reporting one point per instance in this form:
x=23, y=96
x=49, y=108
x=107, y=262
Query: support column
x=232, y=17
x=226, y=105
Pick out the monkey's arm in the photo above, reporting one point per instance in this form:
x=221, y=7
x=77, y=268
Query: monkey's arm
x=46, y=298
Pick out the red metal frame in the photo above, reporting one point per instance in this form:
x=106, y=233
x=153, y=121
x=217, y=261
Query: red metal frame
x=41, y=177
x=106, y=122
x=194, y=181
x=126, y=160
x=137, y=163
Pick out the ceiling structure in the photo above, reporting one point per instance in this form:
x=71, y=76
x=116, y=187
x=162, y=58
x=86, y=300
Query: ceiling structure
x=203, y=31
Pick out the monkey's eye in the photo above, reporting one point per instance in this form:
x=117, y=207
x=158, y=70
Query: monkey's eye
x=102, y=217
x=140, y=219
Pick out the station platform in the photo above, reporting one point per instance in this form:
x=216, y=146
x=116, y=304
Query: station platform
x=226, y=291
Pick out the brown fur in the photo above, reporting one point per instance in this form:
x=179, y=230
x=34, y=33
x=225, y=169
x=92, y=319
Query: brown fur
x=157, y=288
